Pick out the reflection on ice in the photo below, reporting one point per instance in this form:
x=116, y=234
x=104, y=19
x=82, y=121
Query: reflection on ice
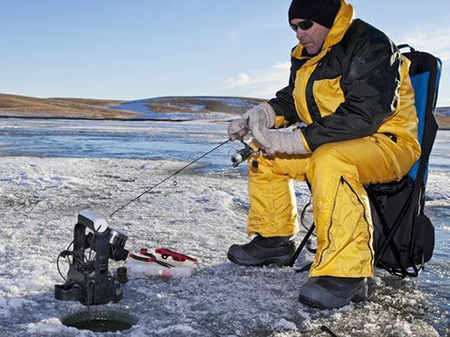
x=112, y=139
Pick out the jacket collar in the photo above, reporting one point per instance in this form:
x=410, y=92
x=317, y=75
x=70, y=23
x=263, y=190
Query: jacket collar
x=344, y=19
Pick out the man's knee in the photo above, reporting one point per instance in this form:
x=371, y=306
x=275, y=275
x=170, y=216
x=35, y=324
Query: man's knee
x=325, y=158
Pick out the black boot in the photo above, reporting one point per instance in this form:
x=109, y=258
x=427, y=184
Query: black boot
x=326, y=292
x=263, y=251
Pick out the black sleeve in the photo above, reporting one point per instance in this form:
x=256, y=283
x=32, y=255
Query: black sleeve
x=371, y=86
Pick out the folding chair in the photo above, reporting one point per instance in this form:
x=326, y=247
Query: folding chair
x=400, y=204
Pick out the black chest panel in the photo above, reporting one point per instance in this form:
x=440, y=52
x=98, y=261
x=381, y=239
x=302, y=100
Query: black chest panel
x=334, y=64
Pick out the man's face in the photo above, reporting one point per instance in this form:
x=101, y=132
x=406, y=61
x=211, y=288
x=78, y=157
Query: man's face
x=311, y=39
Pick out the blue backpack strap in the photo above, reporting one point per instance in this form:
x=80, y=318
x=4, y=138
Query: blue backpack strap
x=425, y=74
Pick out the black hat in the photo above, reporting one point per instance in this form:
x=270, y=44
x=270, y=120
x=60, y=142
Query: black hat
x=321, y=11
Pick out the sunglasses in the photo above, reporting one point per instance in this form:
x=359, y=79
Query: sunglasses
x=304, y=25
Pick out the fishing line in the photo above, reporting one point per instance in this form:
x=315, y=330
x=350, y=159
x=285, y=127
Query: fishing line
x=164, y=180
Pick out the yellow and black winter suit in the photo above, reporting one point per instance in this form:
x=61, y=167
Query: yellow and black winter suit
x=356, y=99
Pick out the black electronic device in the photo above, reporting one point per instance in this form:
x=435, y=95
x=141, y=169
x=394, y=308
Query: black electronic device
x=88, y=279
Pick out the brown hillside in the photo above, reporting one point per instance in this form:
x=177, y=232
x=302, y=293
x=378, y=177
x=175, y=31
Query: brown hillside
x=443, y=120
x=24, y=106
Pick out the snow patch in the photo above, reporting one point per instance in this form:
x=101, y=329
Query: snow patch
x=52, y=326
x=284, y=324
x=181, y=329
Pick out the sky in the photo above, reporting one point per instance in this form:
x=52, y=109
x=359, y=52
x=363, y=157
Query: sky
x=116, y=49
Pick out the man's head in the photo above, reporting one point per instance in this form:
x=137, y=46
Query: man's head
x=312, y=20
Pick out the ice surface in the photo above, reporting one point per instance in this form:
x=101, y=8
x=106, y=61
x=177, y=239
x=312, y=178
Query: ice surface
x=202, y=216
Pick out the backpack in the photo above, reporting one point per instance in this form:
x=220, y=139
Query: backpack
x=403, y=233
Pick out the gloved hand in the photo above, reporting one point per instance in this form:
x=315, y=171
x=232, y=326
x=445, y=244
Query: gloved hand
x=256, y=119
x=287, y=142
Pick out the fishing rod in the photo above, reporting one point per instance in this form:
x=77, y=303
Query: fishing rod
x=164, y=180
x=88, y=279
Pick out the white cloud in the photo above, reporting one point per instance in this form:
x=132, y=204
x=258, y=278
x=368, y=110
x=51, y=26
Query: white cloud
x=435, y=40
x=262, y=83
x=282, y=65
x=241, y=80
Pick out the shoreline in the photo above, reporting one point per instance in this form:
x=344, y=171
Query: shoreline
x=99, y=119
x=441, y=128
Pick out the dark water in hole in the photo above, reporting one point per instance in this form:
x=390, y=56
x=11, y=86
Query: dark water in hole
x=100, y=325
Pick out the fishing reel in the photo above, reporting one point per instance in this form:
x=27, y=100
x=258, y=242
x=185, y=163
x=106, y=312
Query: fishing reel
x=242, y=155
x=88, y=279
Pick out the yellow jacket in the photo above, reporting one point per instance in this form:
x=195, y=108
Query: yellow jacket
x=356, y=86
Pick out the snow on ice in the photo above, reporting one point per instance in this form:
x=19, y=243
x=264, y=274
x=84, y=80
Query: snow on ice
x=202, y=216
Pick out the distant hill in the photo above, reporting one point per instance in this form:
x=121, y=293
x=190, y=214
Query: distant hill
x=443, y=117
x=443, y=110
x=24, y=106
x=191, y=104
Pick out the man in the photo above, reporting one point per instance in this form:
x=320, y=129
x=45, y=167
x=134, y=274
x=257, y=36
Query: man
x=350, y=86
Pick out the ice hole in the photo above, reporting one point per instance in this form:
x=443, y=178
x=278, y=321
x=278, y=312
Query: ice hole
x=100, y=321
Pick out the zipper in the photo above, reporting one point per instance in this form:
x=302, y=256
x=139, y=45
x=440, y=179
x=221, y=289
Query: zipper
x=329, y=228
x=342, y=182
x=364, y=214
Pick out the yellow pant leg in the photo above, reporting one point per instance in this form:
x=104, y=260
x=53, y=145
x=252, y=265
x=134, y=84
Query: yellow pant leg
x=337, y=173
x=273, y=209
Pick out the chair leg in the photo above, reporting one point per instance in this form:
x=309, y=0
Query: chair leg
x=305, y=268
x=302, y=245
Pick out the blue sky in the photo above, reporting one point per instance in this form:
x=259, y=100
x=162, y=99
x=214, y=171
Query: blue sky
x=135, y=49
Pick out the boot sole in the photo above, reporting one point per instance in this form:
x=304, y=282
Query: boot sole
x=356, y=299
x=279, y=262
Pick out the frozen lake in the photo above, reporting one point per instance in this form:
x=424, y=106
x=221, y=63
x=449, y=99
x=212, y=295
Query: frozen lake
x=151, y=140
x=52, y=169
